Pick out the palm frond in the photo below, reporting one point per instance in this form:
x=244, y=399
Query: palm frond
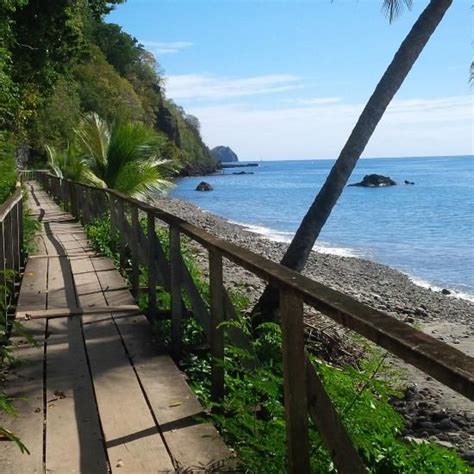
x=94, y=139
x=393, y=8
x=66, y=163
x=53, y=161
x=125, y=157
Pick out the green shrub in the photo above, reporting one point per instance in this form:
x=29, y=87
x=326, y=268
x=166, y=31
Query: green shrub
x=7, y=169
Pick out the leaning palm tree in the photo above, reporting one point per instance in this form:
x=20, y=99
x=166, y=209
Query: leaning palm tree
x=66, y=163
x=124, y=156
x=317, y=215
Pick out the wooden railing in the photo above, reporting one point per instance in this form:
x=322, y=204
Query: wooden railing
x=303, y=390
x=11, y=248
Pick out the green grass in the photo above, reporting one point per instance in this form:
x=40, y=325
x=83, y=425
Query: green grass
x=251, y=417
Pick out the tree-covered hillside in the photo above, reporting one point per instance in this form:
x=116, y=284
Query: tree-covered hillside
x=59, y=59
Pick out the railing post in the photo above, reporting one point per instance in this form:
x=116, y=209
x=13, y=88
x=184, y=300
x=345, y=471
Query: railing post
x=134, y=249
x=294, y=375
x=152, y=275
x=217, y=332
x=121, y=229
x=20, y=232
x=76, y=207
x=175, y=283
x=3, y=264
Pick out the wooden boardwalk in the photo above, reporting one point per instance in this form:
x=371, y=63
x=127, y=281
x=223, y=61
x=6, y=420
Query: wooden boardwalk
x=95, y=395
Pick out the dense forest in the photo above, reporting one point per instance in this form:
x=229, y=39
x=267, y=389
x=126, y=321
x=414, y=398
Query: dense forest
x=59, y=59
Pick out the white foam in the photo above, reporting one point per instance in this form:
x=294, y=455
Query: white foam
x=281, y=236
x=429, y=286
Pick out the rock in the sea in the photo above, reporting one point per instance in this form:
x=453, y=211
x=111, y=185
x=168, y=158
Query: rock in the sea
x=243, y=172
x=203, y=186
x=409, y=182
x=375, y=181
x=224, y=154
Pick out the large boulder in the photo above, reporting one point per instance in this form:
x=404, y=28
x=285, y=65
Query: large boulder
x=224, y=154
x=203, y=186
x=375, y=181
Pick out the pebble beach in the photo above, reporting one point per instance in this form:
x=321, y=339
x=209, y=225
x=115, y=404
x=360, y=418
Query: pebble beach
x=433, y=411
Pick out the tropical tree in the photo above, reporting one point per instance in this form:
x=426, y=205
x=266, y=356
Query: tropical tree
x=319, y=211
x=125, y=156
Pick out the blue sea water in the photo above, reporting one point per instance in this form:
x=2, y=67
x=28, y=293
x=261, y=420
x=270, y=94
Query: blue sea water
x=425, y=230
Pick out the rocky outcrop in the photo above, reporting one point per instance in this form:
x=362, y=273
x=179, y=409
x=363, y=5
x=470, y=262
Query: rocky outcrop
x=224, y=154
x=375, y=181
x=203, y=186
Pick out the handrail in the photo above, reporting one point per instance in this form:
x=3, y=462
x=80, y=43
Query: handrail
x=11, y=247
x=438, y=359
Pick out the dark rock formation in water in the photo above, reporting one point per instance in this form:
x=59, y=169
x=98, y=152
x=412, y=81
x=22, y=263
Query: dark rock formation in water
x=224, y=154
x=203, y=186
x=375, y=181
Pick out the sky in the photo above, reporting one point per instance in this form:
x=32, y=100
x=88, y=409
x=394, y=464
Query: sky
x=287, y=79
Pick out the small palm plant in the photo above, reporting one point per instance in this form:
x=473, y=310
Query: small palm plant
x=125, y=156
x=67, y=163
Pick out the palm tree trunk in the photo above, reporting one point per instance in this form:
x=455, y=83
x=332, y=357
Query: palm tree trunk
x=317, y=215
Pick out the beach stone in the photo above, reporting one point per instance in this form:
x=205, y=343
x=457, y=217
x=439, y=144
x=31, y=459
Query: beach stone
x=203, y=186
x=375, y=181
x=468, y=456
x=445, y=291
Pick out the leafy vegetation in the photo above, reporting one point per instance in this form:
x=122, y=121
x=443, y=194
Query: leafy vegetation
x=7, y=168
x=61, y=60
x=251, y=417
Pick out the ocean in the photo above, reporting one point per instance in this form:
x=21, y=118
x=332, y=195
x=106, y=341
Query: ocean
x=425, y=230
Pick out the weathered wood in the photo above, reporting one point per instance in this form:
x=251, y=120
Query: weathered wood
x=294, y=380
x=330, y=427
x=73, y=435
x=436, y=358
x=134, y=243
x=25, y=387
x=122, y=234
x=216, y=287
x=25, y=382
x=3, y=266
x=133, y=442
x=152, y=273
x=192, y=443
x=72, y=311
x=175, y=279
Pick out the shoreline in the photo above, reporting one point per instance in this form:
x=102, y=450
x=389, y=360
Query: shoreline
x=361, y=278
x=445, y=317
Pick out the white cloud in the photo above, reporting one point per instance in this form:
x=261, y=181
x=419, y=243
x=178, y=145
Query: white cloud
x=314, y=101
x=414, y=127
x=204, y=86
x=158, y=48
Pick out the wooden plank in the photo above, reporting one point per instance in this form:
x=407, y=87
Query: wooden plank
x=132, y=439
x=25, y=386
x=33, y=290
x=294, y=380
x=26, y=315
x=73, y=436
x=217, y=333
x=193, y=445
x=25, y=382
